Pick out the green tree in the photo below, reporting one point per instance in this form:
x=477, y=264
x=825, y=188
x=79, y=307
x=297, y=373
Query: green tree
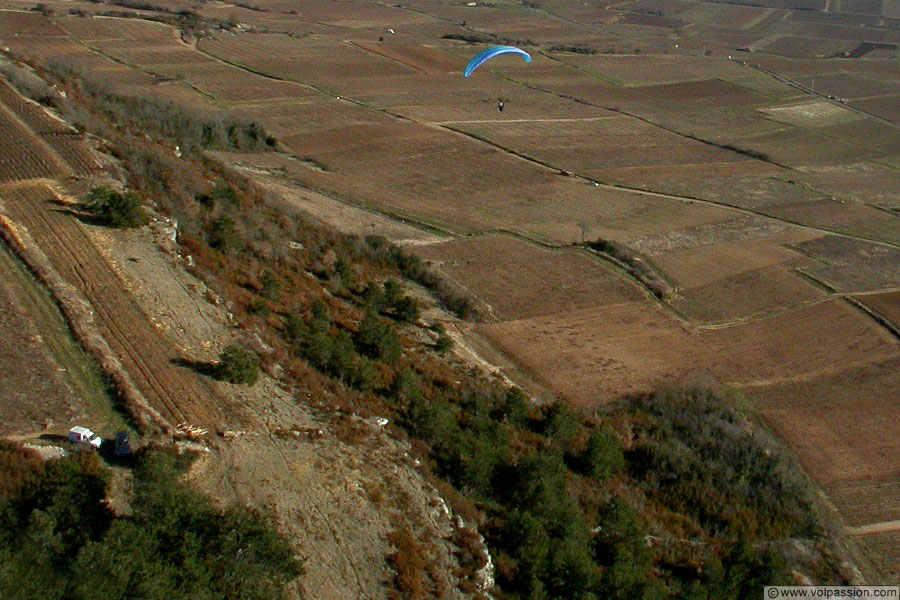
x=514, y=408
x=237, y=365
x=373, y=297
x=271, y=286
x=377, y=339
x=406, y=310
x=116, y=209
x=222, y=235
x=393, y=292
x=602, y=456
x=225, y=193
x=561, y=424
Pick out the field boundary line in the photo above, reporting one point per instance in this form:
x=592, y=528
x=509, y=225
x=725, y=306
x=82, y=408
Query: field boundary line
x=552, y=120
x=882, y=527
x=875, y=315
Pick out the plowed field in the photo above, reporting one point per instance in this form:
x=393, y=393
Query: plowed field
x=180, y=394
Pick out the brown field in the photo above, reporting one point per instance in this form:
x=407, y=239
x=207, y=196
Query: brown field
x=102, y=29
x=655, y=69
x=852, y=265
x=844, y=217
x=661, y=177
x=757, y=193
x=148, y=356
x=29, y=370
x=877, y=185
x=842, y=427
x=799, y=147
x=418, y=57
x=558, y=280
x=727, y=16
x=351, y=16
x=27, y=25
x=817, y=113
x=871, y=133
x=712, y=93
x=28, y=158
x=46, y=146
x=808, y=47
x=850, y=86
x=314, y=60
x=748, y=294
x=31, y=114
x=868, y=497
x=669, y=7
x=730, y=230
x=601, y=142
x=848, y=31
x=593, y=355
x=887, y=305
x=701, y=264
x=652, y=21
x=886, y=107
x=886, y=546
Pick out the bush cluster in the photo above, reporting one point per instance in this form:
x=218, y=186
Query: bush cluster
x=411, y=266
x=116, y=209
x=237, y=365
x=575, y=49
x=185, y=126
x=701, y=457
x=351, y=357
x=59, y=540
x=635, y=266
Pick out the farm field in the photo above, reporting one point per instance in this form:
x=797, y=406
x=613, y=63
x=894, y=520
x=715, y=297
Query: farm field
x=720, y=161
x=493, y=264
x=594, y=354
x=886, y=304
x=178, y=393
x=45, y=362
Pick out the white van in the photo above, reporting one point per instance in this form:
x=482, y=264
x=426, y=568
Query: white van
x=83, y=435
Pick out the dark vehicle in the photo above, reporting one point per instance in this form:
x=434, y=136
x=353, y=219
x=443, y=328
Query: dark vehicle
x=123, y=444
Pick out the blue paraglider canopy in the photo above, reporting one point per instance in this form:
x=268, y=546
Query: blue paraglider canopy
x=486, y=55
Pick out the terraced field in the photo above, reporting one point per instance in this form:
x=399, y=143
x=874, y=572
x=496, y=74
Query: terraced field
x=177, y=392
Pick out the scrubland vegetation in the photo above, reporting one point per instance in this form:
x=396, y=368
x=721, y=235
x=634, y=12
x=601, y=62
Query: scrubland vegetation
x=633, y=264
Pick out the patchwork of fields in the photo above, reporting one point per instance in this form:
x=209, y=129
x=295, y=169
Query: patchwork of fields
x=747, y=160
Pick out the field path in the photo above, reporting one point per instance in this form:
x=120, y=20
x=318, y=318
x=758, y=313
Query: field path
x=884, y=527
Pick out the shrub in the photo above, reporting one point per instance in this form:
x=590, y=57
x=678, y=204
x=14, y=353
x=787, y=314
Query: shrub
x=697, y=453
x=223, y=235
x=444, y=342
x=271, y=286
x=225, y=193
x=116, y=209
x=377, y=339
x=409, y=563
x=602, y=456
x=379, y=249
x=237, y=365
